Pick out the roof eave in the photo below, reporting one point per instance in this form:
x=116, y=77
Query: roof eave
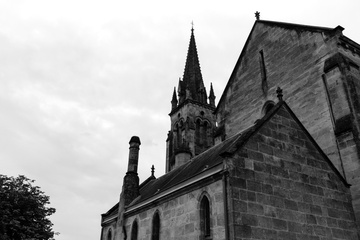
x=205, y=174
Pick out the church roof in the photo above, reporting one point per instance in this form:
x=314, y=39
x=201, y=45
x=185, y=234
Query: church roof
x=198, y=164
x=214, y=157
x=152, y=188
x=301, y=27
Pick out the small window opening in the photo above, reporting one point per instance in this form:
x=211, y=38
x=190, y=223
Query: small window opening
x=205, y=218
x=197, y=132
x=264, y=84
x=109, y=235
x=267, y=107
x=134, y=231
x=155, y=235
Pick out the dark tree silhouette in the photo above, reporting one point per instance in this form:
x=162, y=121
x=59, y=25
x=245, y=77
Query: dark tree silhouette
x=23, y=210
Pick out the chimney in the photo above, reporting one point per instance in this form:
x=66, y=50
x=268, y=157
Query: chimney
x=134, y=154
x=131, y=179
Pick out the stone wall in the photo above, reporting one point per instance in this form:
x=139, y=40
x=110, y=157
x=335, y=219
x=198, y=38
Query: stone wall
x=284, y=188
x=325, y=99
x=193, y=135
x=108, y=229
x=294, y=61
x=180, y=216
x=349, y=141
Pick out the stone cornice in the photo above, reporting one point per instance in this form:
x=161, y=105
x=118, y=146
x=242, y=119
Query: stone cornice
x=348, y=44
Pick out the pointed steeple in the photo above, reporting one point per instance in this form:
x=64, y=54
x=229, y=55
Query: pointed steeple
x=174, y=100
x=212, y=96
x=192, y=115
x=192, y=85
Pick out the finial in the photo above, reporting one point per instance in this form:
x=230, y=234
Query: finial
x=192, y=25
x=279, y=92
x=152, y=170
x=257, y=15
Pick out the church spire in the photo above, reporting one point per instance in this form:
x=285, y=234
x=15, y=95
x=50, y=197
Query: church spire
x=212, y=96
x=174, y=100
x=192, y=83
x=192, y=114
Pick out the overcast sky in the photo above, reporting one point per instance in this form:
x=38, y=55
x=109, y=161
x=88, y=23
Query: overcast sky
x=79, y=78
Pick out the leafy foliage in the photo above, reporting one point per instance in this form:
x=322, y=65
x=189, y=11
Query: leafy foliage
x=23, y=210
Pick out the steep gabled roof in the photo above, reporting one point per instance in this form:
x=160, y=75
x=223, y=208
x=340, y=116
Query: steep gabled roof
x=198, y=164
x=213, y=158
x=289, y=26
x=300, y=27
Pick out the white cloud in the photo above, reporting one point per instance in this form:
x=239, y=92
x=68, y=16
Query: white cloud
x=79, y=78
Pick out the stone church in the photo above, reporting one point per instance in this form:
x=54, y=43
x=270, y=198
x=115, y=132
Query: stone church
x=277, y=158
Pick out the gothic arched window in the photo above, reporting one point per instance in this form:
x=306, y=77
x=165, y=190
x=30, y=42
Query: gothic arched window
x=134, y=231
x=178, y=135
x=267, y=107
x=204, y=133
x=155, y=234
x=109, y=235
x=197, y=132
x=205, y=218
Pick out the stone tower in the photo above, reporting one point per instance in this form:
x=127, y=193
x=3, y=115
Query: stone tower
x=192, y=118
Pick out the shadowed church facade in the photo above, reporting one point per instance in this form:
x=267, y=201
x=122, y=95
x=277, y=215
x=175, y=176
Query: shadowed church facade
x=265, y=163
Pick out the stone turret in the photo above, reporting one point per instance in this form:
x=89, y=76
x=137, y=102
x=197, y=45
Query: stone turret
x=131, y=179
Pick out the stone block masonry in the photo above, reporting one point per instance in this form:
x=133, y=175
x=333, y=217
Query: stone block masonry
x=286, y=188
x=180, y=216
x=320, y=78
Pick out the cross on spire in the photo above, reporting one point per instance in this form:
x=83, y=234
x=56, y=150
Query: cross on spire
x=257, y=15
x=152, y=170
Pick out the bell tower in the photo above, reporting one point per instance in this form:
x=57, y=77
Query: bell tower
x=192, y=118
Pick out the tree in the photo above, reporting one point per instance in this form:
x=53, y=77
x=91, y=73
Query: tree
x=23, y=210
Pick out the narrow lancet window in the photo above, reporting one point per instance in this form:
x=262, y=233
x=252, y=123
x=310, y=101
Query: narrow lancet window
x=134, y=231
x=197, y=132
x=205, y=218
x=109, y=235
x=205, y=137
x=155, y=234
x=264, y=84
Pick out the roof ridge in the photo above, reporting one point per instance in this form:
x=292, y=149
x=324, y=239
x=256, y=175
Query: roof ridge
x=147, y=181
x=296, y=25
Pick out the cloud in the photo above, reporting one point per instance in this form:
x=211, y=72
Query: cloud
x=79, y=78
